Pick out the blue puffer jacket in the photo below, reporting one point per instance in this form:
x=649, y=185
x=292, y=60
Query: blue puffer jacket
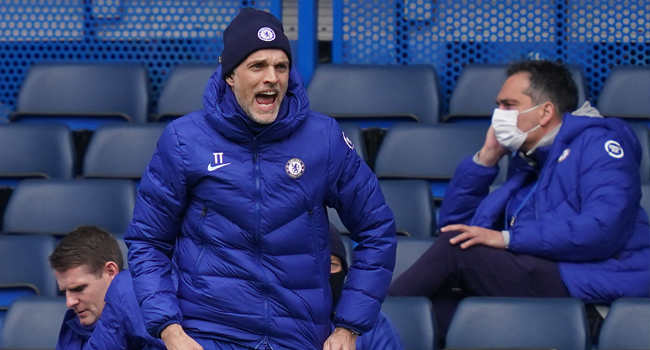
x=584, y=213
x=120, y=327
x=250, y=241
x=73, y=335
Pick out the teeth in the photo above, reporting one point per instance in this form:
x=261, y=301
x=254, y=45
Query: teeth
x=268, y=93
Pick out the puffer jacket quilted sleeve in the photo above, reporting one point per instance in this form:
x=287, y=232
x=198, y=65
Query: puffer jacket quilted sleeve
x=354, y=191
x=152, y=234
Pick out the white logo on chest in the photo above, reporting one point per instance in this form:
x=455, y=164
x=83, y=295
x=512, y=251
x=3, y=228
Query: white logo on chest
x=218, y=160
x=295, y=167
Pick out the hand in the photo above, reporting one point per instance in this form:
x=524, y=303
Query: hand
x=341, y=339
x=492, y=150
x=175, y=338
x=475, y=235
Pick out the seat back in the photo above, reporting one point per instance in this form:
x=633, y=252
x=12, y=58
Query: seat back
x=414, y=321
x=581, y=84
x=643, y=134
x=645, y=199
x=476, y=91
x=28, y=151
x=627, y=325
x=183, y=90
x=121, y=150
x=430, y=152
x=498, y=322
x=84, y=89
x=409, y=250
x=376, y=91
x=625, y=93
x=59, y=206
x=479, y=85
x=412, y=205
x=24, y=263
x=33, y=323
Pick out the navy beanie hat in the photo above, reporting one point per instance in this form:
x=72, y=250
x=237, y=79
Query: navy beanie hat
x=249, y=31
x=336, y=246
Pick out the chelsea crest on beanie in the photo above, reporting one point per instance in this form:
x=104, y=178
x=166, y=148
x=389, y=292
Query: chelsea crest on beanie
x=249, y=31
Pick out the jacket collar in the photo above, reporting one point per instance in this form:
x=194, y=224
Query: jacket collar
x=224, y=114
x=72, y=320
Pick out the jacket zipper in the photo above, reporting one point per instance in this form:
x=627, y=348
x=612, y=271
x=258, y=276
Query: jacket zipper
x=200, y=257
x=258, y=238
x=316, y=245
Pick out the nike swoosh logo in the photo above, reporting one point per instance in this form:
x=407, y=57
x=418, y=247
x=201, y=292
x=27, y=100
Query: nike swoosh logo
x=213, y=168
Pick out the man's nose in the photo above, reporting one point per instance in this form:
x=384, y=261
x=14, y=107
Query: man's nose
x=271, y=76
x=71, y=300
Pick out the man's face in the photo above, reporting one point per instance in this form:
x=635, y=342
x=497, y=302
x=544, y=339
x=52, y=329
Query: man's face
x=336, y=265
x=512, y=97
x=260, y=83
x=84, y=292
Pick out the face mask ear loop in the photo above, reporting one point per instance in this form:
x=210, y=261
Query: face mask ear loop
x=530, y=109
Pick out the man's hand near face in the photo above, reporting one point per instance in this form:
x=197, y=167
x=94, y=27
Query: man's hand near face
x=341, y=339
x=492, y=151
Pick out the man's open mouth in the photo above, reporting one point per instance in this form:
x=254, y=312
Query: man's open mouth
x=266, y=98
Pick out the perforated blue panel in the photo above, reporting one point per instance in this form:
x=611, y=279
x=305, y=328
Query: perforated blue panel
x=158, y=33
x=450, y=34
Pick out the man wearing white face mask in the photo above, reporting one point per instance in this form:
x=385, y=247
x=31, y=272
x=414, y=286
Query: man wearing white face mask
x=567, y=222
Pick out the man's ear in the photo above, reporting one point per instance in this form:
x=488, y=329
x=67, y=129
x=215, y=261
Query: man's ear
x=111, y=269
x=230, y=79
x=548, y=113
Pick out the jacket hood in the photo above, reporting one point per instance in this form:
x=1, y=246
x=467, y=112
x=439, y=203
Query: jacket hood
x=234, y=125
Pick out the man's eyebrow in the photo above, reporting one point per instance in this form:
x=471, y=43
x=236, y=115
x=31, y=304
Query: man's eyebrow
x=506, y=101
x=78, y=288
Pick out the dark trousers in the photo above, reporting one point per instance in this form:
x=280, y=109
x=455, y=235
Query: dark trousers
x=478, y=270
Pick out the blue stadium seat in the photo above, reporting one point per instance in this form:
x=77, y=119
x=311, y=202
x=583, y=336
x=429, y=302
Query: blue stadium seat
x=333, y=217
x=354, y=133
x=33, y=323
x=376, y=93
x=349, y=248
x=25, y=269
x=430, y=152
x=58, y=206
x=497, y=322
x=409, y=250
x=643, y=134
x=579, y=78
x=475, y=94
x=83, y=95
x=412, y=204
x=121, y=150
x=183, y=91
x=24, y=262
x=35, y=151
x=124, y=249
x=645, y=200
x=625, y=93
x=414, y=320
x=627, y=325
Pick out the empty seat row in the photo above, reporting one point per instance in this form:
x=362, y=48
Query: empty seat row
x=364, y=93
x=47, y=151
x=86, y=95
x=479, y=323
